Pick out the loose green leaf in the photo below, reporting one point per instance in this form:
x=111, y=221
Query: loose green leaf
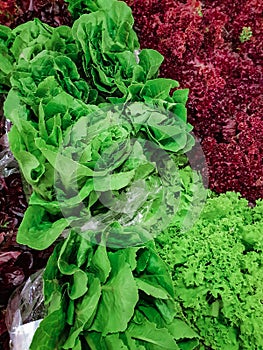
x=37, y=230
x=119, y=297
x=158, y=338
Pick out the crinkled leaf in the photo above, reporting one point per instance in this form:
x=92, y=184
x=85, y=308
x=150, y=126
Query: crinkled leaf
x=37, y=230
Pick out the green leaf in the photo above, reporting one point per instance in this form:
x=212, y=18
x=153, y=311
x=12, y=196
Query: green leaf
x=167, y=309
x=150, y=289
x=190, y=345
x=113, y=342
x=51, y=207
x=147, y=332
x=78, y=345
x=51, y=276
x=78, y=285
x=150, y=60
x=79, y=7
x=67, y=260
x=131, y=256
x=37, y=230
x=127, y=61
x=181, y=96
x=31, y=167
x=43, y=338
x=101, y=264
x=118, y=300
x=84, y=312
x=114, y=181
x=109, y=342
x=180, y=330
x=143, y=258
x=66, y=168
x=6, y=66
x=180, y=111
x=157, y=273
x=158, y=88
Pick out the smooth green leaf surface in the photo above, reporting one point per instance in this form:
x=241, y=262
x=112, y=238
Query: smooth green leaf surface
x=119, y=297
x=148, y=333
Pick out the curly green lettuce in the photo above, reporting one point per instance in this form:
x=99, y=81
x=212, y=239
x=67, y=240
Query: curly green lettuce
x=217, y=271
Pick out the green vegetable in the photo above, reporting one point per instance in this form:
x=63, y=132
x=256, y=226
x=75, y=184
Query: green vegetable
x=47, y=104
x=123, y=305
x=5, y=58
x=102, y=141
x=217, y=270
x=103, y=166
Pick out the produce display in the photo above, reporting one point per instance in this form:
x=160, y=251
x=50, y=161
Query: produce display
x=17, y=262
x=113, y=189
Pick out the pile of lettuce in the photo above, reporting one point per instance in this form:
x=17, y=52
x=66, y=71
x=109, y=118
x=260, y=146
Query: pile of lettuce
x=217, y=272
x=57, y=78
x=101, y=298
x=215, y=48
x=102, y=142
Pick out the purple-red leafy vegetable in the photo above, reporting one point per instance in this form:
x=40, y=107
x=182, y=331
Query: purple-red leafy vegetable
x=215, y=48
x=15, y=12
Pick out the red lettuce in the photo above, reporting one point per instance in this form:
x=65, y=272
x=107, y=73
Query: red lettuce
x=202, y=48
x=14, y=12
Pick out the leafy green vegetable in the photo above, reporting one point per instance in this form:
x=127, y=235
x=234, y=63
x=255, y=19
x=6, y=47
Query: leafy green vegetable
x=147, y=332
x=109, y=310
x=121, y=292
x=75, y=155
x=78, y=7
x=102, y=141
x=217, y=272
x=109, y=158
x=40, y=227
x=5, y=58
x=45, y=338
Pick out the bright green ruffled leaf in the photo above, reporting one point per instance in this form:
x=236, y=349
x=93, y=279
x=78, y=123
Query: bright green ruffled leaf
x=78, y=285
x=101, y=263
x=158, y=88
x=44, y=338
x=38, y=230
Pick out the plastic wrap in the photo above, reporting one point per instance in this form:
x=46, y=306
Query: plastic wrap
x=8, y=165
x=25, y=311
